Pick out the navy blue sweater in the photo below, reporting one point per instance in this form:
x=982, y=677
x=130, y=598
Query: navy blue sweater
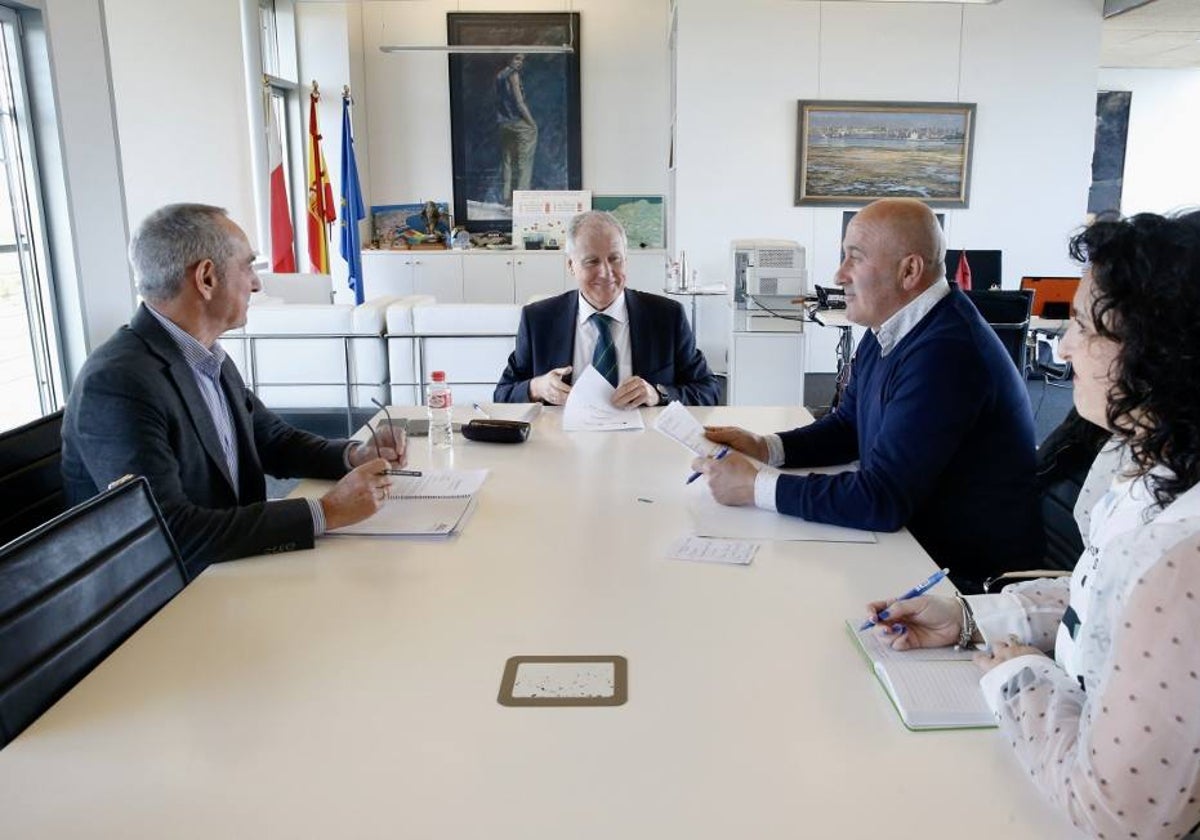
x=944, y=433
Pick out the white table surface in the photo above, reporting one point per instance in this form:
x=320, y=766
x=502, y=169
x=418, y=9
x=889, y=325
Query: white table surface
x=351, y=691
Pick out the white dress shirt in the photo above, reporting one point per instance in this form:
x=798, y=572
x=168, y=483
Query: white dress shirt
x=586, y=335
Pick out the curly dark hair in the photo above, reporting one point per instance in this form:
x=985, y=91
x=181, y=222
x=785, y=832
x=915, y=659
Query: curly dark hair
x=1146, y=273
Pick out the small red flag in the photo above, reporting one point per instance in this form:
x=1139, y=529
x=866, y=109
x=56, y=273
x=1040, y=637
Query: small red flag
x=283, y=255
x=962, y=276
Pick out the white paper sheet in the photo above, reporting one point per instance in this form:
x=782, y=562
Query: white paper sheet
x=705, y=550
x=712, y=519
x=677, y=423
x=437, y=484
x=589, y=407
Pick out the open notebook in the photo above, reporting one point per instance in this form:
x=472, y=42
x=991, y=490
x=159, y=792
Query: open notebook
x=436, y=503
x=931, y=688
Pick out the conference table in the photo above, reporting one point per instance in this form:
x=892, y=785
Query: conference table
x=351, y=691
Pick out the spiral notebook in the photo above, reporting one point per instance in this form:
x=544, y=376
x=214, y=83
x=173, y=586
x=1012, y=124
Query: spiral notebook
x=434, y=504
x=931, y=688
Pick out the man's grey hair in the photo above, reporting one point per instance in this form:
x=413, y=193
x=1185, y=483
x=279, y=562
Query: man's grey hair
x=171, y=240
x=593, y=218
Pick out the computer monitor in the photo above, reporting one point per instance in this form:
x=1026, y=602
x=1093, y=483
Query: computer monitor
x=984, y=265
x=1052, y=296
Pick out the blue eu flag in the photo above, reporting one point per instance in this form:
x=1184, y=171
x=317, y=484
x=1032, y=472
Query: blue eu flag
x=351, y=207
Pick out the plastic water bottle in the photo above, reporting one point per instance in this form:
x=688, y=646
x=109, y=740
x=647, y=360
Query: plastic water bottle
x=439, y=403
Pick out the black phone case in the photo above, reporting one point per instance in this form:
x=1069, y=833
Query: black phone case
x=496, y=431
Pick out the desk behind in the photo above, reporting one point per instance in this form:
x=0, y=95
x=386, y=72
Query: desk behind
x=351, y=691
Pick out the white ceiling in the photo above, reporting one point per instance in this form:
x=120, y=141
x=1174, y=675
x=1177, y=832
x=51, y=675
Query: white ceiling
x=1165, y=33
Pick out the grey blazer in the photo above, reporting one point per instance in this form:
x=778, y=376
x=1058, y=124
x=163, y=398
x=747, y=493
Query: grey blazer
x=135, y=408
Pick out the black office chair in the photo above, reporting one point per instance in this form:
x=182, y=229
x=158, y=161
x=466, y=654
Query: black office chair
x=31, y=485
x=73, y=589
x=1063, y=462
x=1008, y=314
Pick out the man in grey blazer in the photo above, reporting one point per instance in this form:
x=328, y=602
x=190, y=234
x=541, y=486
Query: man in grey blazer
x=642, y=342
x=161, y=399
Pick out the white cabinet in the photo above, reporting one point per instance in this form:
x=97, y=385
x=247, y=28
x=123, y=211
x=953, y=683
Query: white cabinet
x=539, y=274
x=512, y=276
x=766, y=362
x=386, y=273
x=437, y=273
x=491, y=276
x=488, y=278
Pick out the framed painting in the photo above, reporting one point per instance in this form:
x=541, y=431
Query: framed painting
x=852, y=153
x=514, y=117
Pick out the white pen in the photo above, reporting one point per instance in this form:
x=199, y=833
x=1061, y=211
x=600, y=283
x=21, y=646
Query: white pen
x=479, y=409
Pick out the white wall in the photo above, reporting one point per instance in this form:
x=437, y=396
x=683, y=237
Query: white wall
x=1030, y=66
x=179, y=85
x=624, y=79
x=1162, y=167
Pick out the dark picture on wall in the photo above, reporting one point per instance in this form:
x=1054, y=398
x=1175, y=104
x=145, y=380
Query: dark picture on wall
x=514, y=117
x=852, y=153
x=1108, y=156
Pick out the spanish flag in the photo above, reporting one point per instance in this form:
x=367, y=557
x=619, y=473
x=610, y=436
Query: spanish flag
x=321, y=212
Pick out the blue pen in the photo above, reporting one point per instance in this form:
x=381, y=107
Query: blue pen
x=920, y=589
x=721, y=453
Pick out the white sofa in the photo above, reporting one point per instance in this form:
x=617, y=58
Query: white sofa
x=471, y=342
x=308, y=355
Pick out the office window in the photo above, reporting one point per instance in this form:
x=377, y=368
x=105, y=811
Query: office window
x=277, y=61
x=268, y=37
x=30, y=357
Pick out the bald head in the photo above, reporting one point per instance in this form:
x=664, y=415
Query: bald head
x=893, y=251
x=910, y=228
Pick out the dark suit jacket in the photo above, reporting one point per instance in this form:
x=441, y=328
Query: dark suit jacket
x=664, y=351
x=135, y=408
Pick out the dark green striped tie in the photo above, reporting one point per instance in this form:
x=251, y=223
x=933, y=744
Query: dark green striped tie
x=604, y=357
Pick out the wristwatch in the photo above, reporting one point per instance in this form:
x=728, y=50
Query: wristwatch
x=663, y=396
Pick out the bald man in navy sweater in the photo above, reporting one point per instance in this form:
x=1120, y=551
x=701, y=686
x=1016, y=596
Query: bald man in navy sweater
x=935, y=412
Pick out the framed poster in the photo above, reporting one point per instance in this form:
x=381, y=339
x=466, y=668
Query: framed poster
x=852, y=153
x=514, y=117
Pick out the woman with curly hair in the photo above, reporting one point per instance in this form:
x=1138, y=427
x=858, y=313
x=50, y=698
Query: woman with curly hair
x=1110, y=728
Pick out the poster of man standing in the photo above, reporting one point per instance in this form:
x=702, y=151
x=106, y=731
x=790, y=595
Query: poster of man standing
x=514, y=116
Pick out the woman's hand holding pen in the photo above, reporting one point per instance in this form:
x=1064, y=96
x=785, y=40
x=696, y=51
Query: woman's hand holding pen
x=922, y=622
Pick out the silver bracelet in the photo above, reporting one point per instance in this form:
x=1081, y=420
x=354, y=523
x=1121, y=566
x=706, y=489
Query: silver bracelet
x=968, y=628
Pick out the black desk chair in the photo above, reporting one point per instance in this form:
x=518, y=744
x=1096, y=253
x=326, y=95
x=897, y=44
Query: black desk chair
x=73, y=589
x=1008, y=314
x=1063, y=462
x=31, y=486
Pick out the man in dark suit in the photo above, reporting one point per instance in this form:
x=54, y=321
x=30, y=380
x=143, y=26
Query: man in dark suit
x=161, y=399
x=640, y=342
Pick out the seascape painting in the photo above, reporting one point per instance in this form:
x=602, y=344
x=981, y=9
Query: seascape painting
x=852, y=153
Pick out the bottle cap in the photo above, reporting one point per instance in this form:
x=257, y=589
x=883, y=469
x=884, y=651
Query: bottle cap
x=438, y=376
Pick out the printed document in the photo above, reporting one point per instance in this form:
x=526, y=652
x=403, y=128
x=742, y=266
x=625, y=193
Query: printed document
x=589, y=407
x=735, y=552
x=436, y=503
x=677, y=423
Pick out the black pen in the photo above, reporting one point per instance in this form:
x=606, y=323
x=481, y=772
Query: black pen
x=414, y=473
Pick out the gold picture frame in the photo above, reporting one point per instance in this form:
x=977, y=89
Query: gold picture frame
x=852, y=153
